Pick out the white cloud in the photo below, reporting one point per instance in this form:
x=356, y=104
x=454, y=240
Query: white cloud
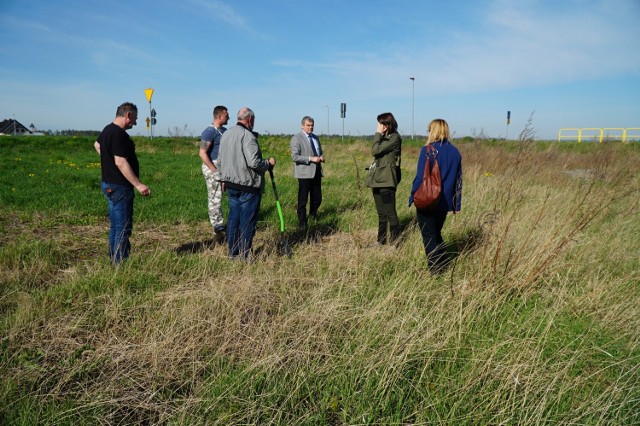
x=109, y=52
x=225, y=12
x=23, y=25
x=524, y=47
x=514, y=45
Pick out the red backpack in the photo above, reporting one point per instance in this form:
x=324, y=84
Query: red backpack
x=428, y=195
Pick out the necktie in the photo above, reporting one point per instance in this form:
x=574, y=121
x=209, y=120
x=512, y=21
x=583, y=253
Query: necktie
x=313, y=146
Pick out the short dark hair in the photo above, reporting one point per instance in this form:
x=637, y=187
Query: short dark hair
x=307, y=118
x=388, y=120
x=219, y=110
x=125, y=108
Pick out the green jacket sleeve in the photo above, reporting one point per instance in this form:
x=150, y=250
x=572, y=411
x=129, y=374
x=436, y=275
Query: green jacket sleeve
x=384, y=145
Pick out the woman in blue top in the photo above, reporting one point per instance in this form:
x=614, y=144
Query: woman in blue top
x=431, y=221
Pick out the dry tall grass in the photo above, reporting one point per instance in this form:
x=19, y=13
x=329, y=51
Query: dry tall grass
x=536, y=322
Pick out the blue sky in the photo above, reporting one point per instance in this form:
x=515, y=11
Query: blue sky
x=576, y=63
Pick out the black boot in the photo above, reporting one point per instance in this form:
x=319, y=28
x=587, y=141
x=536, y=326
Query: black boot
x=302, y=219
x=438, y=262
x=394, y=234
x=382, y=232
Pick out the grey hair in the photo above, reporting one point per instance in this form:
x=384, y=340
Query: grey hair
x=307, y=118
x=245, y=113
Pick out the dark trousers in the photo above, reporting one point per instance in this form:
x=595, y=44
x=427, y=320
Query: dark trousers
x=431, y=223
x=309, y=189
x=385, y=200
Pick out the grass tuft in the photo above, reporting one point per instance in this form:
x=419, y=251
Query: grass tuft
x=534, y=323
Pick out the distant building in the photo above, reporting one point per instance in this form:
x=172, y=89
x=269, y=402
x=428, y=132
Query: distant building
x=13, y=127
x=35, y=131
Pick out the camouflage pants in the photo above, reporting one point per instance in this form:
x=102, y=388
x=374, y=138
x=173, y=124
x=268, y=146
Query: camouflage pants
x=214, y=188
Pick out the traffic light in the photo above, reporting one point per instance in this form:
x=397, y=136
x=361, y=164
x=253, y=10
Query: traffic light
x=153, y=117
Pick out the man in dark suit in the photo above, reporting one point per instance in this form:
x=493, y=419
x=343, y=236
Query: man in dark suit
x=307, y=156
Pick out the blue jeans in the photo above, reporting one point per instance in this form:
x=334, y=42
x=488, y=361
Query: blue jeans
x=120, y=202
x=242, y=221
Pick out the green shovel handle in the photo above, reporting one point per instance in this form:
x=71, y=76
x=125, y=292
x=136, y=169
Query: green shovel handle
x=280, y=216
x=275, y=193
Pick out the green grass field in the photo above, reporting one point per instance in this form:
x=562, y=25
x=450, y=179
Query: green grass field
x=536, y=322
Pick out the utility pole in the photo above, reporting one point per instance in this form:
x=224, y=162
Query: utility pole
x=413, y=107
x=327, y=107
x=343, y=114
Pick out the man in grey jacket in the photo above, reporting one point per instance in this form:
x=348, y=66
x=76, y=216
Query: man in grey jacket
x=307, y=156
x=242, y=172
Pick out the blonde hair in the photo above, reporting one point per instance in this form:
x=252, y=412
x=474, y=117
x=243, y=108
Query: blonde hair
x=438, y=130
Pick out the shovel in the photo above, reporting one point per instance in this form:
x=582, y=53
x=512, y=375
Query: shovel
x=283, y=246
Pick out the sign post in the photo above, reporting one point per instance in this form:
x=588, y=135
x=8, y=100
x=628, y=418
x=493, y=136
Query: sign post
x=343, y=114
x=152, y=112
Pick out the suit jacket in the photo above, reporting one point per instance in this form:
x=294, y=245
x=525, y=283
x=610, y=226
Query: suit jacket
x=300, y=152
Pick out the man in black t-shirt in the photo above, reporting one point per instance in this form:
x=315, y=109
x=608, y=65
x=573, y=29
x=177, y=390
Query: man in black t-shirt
x=120, y=171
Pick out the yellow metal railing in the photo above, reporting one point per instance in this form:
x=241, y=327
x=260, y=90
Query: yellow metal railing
x=600, y=134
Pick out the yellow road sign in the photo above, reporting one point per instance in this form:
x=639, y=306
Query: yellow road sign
x=149, y=93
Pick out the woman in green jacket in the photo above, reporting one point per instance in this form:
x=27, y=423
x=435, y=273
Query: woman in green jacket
x=384, y=176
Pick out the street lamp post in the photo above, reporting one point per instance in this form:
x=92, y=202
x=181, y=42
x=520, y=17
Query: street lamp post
x=327, y=107
x=413, y=107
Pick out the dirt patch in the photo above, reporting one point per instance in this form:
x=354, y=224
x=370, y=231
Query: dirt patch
x=583, y=173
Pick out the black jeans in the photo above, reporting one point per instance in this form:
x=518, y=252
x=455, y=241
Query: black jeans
x=385, y=200
x=431, y=223
x=309, y=188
